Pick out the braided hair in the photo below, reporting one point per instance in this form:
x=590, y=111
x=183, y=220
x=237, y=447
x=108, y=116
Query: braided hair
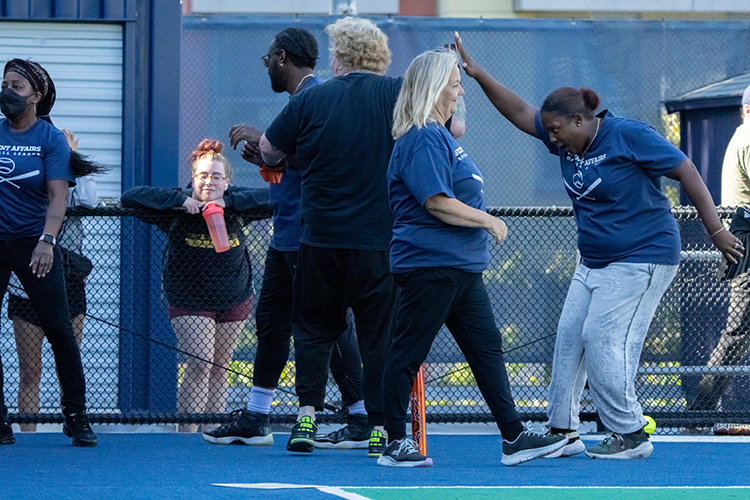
x=300, y=47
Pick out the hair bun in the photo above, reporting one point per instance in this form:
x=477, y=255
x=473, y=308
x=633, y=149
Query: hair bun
x=208, y=146
x=590, y=99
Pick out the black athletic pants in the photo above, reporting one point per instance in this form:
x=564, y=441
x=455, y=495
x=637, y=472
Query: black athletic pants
x=429, y=298
x=47, y=296
x=273, y=318
x=327, y=281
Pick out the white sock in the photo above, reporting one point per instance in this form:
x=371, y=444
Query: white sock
x=358, y=408
x=306, y=411
x=260, y=400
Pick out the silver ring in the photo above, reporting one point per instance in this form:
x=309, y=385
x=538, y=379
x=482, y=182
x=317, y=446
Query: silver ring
x=738, y=244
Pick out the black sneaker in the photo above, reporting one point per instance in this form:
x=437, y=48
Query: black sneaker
x=246, y=427
x=623, y=446
x=574, y=446
x=303, y=435
x=377, y=444
x=529, y=446
x=403, y=453
x=6, y=434
x=77, y=426
x=355, y=435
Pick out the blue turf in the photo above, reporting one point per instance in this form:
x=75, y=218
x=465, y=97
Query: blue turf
x=174, y=465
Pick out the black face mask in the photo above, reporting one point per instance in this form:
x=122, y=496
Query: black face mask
x=12, y=105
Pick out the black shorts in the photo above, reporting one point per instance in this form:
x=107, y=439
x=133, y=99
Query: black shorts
x=20, y=308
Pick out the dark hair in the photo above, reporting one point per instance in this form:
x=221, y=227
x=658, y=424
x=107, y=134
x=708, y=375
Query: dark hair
x=300, y=47
x=567, y=101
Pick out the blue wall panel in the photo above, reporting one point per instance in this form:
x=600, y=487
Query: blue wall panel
x=45, y=10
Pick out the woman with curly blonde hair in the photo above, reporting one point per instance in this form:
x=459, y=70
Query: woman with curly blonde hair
x=358, y=45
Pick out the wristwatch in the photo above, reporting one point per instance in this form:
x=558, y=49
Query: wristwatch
x=48, y=238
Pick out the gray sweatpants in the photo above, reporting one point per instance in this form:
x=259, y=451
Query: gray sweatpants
x=601, y=332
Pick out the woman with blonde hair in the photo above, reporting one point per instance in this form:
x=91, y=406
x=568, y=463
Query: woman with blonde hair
x=438, y=252
x=209, y=293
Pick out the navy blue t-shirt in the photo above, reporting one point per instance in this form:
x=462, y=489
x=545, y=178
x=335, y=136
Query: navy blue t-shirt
x=428, y=161
x=285, y=199
x=28, y=160
x=621, y=212
x=341, y=134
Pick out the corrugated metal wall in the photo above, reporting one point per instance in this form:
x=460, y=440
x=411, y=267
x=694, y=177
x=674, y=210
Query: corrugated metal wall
x=85, y=62
x=110, y=10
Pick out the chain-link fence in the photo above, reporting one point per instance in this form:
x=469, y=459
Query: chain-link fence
x=633, y=65
x=143, y=368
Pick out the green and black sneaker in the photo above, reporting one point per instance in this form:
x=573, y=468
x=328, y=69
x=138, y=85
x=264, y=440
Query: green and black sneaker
x=377, y=444
x=303, y=434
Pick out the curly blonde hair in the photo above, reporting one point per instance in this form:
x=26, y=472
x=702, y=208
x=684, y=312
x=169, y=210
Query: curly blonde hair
x=359, y=44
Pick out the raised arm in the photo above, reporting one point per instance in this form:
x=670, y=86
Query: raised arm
x=698, y=193
x=512, y=107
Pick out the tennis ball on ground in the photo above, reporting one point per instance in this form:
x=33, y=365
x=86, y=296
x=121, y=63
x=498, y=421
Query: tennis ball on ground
x=650, y=425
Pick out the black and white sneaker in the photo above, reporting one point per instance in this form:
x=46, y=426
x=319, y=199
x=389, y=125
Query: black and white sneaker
x=574, y=446
x=403, y=453
x=246, y=427
x=77, y=426
x=529, y=446
x=355, y=435
x=6, y=434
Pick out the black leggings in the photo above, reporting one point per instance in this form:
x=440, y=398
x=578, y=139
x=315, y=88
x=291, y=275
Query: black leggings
x=431, y=297
x=273, y=319
x=47, y=296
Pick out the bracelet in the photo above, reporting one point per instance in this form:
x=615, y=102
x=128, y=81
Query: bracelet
x=717, y=232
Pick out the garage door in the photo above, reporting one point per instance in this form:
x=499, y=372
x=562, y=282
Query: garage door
x=85, y=62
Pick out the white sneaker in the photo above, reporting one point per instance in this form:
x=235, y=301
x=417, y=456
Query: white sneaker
x=574, y=446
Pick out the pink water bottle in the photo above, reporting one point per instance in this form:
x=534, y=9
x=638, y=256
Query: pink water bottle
x=217, y=228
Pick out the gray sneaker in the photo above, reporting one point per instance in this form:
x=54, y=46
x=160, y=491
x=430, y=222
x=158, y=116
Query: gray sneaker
x=623, y=446
x=574, y=446
x=529, y=446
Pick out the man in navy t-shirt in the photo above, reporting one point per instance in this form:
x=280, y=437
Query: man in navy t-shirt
x=341, y=134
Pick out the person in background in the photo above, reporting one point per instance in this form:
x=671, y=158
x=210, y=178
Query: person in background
x=340, y=133
x=734, y=342
x=36, y=172
x=26, y=326
x=438, y=253
x=629, y=246
x=291, y=61
x=209, y=293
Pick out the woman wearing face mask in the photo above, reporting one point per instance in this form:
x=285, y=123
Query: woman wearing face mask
x=35, y=173
x=209, y=293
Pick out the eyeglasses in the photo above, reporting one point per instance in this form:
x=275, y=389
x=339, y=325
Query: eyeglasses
x=267, y=58
x=203, y=176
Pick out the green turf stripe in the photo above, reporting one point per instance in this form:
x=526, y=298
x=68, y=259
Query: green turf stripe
x=553, y=493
